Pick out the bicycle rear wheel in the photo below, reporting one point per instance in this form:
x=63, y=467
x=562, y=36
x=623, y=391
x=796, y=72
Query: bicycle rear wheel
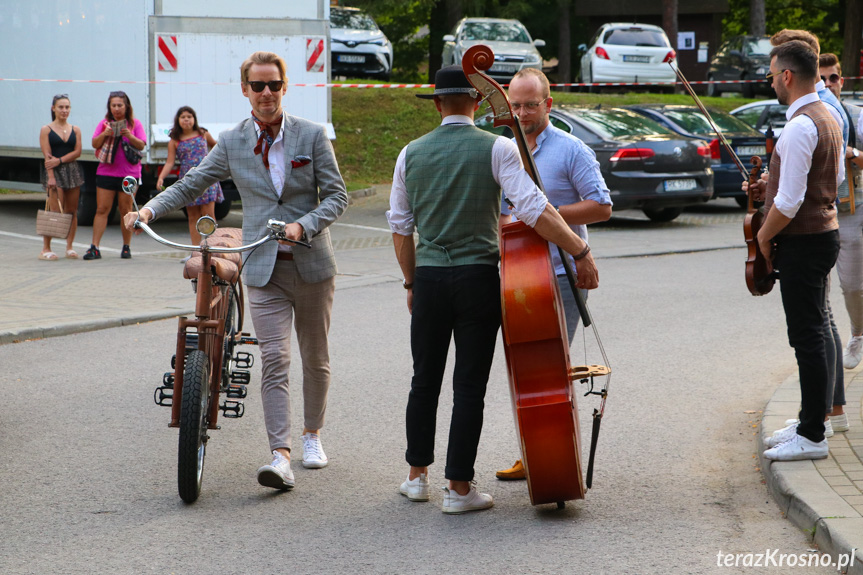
x=193, y=425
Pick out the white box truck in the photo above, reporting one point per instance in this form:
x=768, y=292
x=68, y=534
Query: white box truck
x=164, y=54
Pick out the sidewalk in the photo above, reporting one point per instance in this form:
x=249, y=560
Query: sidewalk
x=823, y=497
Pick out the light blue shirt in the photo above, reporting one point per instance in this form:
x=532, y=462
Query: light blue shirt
x=569, y=173
x=837, y=112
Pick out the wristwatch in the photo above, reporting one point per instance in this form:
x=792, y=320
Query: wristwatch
x=407, y=285
x=855, y=152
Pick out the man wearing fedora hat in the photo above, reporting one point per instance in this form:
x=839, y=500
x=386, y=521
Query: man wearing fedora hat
x=447, y=186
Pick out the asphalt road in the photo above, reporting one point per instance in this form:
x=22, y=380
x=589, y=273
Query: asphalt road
x=89, y=465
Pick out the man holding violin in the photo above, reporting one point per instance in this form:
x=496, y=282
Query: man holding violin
x=800, y=233
x=572, y=180
x=446, y=186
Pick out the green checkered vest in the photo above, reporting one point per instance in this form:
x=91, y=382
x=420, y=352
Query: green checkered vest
x=454, y=197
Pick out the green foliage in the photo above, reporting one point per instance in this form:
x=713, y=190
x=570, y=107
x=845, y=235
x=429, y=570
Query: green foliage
x=821, y=17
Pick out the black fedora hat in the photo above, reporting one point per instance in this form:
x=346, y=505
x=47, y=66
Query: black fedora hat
x=450, y=80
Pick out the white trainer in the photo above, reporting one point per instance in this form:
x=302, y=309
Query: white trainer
x=853, y=352
x=796, y=448
x=313, y=452
x=829, y=428
x=781, y=435
x=277, y=474
x=472, y=501
x=839, y=422
x=416, y=489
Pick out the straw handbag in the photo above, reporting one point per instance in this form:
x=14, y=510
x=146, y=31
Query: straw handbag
x=53, y=224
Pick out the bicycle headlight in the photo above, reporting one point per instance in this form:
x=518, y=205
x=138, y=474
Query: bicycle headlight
x=206, y=226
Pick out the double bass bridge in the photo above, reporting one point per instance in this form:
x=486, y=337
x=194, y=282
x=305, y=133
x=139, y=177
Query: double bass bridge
x=586, y=373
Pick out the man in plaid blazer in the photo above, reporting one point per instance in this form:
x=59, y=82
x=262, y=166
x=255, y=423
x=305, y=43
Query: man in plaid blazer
x=284, y=168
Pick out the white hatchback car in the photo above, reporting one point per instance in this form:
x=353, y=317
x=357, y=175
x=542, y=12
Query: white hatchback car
x=359, y=48
x=621, y=52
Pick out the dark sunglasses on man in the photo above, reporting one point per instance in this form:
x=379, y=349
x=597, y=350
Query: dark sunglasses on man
x=258, y=87
x=832, y=79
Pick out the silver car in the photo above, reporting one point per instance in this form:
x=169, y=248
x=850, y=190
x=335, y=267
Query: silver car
x=359, y=48
x=509, y=40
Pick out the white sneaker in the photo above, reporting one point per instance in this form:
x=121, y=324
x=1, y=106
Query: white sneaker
x=829, y=428
x=796, y=448
x=839, y=422
x=781, y=435
x=853, y=352
x=277, y=474
x=313, y=452
x=473, y=501
x=416, y=489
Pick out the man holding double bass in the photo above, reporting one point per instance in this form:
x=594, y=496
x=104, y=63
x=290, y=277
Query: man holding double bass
x=800, y=233
x=446, y=186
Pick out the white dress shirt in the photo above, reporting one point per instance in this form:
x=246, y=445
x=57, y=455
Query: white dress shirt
x=276, y=157
x=508, y=172
x=795, y=146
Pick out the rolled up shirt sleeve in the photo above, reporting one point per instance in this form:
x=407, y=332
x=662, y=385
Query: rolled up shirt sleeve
x=528, y=200
x=796, y=145
x=400, y=216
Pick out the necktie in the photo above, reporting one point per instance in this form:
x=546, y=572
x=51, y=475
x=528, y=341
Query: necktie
x=265, y=140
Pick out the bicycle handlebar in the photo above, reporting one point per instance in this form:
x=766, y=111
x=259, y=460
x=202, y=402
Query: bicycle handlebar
x=276, y=230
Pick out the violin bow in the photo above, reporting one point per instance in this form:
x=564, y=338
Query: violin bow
x=478, y=58
x=713, y=125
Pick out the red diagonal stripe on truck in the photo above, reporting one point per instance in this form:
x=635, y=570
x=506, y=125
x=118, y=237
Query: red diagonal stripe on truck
x=166, y=51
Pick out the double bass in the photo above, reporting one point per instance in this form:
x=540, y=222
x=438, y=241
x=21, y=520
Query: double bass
x=535, y=336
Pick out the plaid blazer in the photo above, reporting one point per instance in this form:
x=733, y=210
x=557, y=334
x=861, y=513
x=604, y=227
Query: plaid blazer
x=313, y=195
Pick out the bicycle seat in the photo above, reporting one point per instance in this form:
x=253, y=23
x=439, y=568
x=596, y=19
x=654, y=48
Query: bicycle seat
x=225, y=266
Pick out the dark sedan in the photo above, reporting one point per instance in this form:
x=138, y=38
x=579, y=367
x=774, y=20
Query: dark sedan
x=645, y=166
x=690, y=122
x=744, y=58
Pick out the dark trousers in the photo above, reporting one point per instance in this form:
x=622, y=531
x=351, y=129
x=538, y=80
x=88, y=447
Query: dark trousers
x=804, y=262
x=461, y=302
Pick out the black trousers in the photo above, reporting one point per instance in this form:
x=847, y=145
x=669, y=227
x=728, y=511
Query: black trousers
x=804, y=262
x=461, y=302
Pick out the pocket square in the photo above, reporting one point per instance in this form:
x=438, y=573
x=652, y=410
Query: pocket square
x=300, y=161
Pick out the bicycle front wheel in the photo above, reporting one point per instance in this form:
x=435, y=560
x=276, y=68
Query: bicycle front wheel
x=193, y=425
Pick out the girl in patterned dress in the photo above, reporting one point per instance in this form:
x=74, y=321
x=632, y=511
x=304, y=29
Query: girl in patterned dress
x=190, y=143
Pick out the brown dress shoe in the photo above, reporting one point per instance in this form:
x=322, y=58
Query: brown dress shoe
x=513, y=473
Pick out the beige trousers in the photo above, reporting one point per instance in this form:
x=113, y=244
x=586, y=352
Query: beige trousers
x=287, y=300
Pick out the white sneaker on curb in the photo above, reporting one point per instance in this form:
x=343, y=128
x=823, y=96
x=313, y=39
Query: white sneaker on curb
x=416, y=489
x=853, y=352
x=828, y=426
x=313, y=452
x=839, y=422
x=781, y=435
x=277, y=474
x=473, y=501
x=796, y=448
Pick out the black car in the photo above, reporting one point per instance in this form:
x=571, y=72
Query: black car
x=645, y=166
x=690, y=122
x=741, y=58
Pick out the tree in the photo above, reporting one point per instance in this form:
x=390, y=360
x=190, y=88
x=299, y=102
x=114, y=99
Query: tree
x=757, y=18
x=669, y=20
x=853, y=28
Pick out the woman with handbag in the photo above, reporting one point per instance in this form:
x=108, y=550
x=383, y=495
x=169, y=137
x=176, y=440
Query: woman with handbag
x=118, y=148
x=190, y=143
x=61, y=175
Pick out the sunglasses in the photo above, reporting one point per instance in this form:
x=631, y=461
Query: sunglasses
x=773, y=74
x=258, y=87
x=832, y=79
x=117, y=94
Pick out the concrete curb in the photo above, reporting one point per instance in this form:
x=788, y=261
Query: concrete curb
x=801, y=488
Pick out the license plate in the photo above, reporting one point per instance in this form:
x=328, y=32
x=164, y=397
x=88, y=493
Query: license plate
x=350, y=59
x=639, y=59
x=680, y=185
x=505, y=68
x=751, y=150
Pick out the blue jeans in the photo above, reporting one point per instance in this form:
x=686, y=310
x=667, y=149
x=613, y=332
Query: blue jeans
x=461, y=302
x=570, y=309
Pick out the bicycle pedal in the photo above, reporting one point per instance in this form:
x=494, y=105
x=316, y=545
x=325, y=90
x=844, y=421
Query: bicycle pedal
x=236, y=391
x=244, y=360
x=246, y=339
x=164, y=396
x=241, y=377
x=191, y=341
x=168, y=380
x=233, y=409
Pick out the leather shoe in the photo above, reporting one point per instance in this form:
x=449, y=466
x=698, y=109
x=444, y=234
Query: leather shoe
x=514, y=473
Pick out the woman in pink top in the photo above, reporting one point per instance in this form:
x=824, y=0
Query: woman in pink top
x=113, y=167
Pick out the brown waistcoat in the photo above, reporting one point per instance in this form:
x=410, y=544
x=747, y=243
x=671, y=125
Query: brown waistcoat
x=817, y=214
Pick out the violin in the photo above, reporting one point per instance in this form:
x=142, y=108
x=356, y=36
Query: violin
x=760, y=275
x=535, y=336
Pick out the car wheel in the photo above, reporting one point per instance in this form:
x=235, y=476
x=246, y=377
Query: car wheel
x=747, y=89
x=591, y=89
x=742, y=201
x=713, y=89
x=662, y=214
